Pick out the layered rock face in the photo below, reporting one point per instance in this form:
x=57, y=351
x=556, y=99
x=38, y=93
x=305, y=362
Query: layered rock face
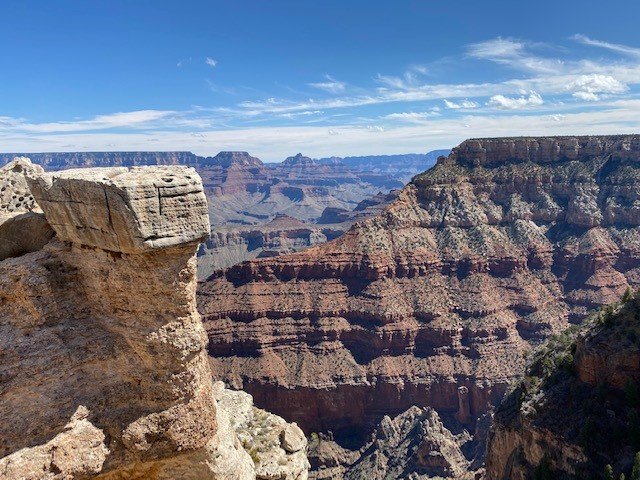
x=104, y=368
x=577, y=409
x=481, y=257
x=230, y=244
x=244, y=191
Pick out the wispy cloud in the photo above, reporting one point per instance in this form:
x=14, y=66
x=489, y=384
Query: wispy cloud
x=275, y=143
x=542, y=89
x=615, y=47
x=412, y=117
x=211, y=62
x=183, y=62
x=515, y=54
x=138, y=120
x=331, y=85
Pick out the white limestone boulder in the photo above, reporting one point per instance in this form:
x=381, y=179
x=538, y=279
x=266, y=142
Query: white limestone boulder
x=124, y=210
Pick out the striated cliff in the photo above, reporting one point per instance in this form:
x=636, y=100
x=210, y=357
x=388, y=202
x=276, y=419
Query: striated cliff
x=231, y=244
x=104, y=368
x=283, y=234
x=480, y=258
x=577, y=409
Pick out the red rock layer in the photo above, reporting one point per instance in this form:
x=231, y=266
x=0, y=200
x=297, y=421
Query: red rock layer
x=481, y=256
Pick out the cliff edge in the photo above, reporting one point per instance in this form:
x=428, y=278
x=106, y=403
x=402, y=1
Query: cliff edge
x=104, y=369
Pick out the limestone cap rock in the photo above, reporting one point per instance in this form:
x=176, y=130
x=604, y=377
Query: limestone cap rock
x=128, y=210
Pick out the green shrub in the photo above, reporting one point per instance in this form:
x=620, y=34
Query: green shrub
x=628, y=295
x=633, y=429
x=588, y=433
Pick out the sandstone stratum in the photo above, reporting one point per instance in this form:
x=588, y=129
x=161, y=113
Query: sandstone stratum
x=437, y=300
x=104, y=370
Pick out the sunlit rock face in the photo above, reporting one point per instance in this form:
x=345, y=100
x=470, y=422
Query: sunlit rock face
x=23, y=228
x=480, y=257
x=104, y=368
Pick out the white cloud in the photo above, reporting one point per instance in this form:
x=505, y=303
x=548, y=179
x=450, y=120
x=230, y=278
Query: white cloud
x=412, y=117
x=592, y=87
x=515, y=54
x=211, y=62
x=495, y=49
x=421, y=69
x=463, y=104
x=276, y=143
x=331, y=85
x=183, y=62
x=135, y=119
x=515, y=103
x=615, y=47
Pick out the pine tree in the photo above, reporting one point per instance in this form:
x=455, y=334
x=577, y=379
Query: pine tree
x=635, y=472
x=608, y=472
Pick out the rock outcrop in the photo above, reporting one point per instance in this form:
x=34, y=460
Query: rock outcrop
x=104, y=368
x=19, y=213
x=415, y=445
x=577, y=409
x=277, y=448
x=479, y=259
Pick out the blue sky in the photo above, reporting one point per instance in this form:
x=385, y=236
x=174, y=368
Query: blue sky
x=323, y=77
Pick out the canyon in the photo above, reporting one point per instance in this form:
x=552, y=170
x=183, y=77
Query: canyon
x=104, y=370
x=436, y=301
x=249, y=200
x=391, y=339
x=231, y=244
